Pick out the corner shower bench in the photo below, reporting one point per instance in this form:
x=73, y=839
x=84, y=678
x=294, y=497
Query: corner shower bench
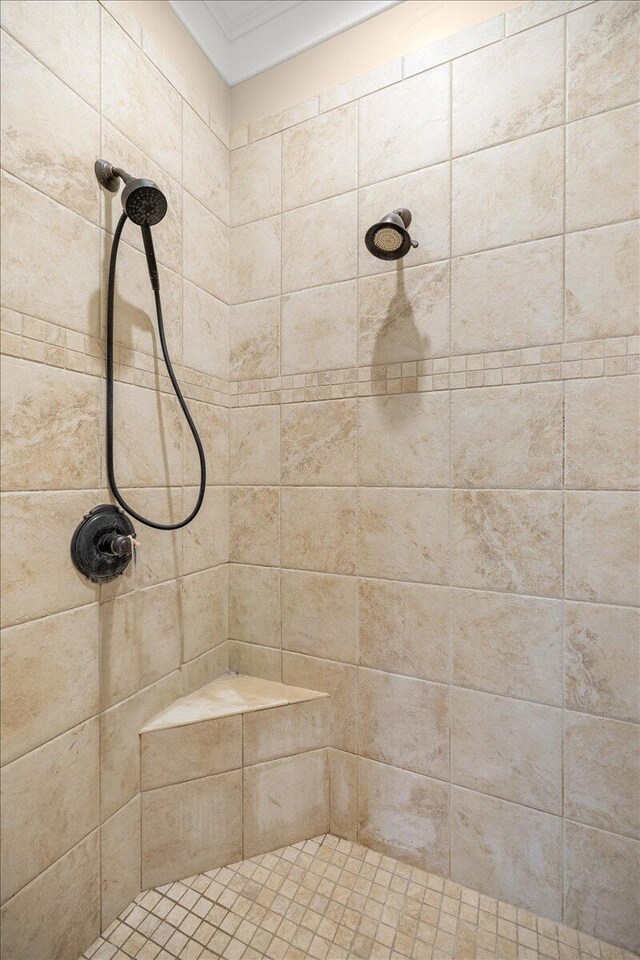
x=238, y=768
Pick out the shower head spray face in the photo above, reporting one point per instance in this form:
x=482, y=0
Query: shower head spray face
x=389, y=238
x=142, y=200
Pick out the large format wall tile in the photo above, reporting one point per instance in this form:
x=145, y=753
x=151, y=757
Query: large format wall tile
x=254, y=604
x=601, y=547
x=255, y=661
x=254, y=339
x=255, y=260
x=255, y=180
x=205, y=332
x=149, y=437
x=320, y=157
x=255, y=525
x=254, y=445
x=189, y=752
x=213, y=426
x=206, y=539
x=339, y=680
x=343, y=801
x=120, y=860
x=320, y=328
x=320, y=615
x=319, y=529
x=319, y=443
x=205, y=169
x=285, y=731
x=602, y=422
x=319, y=243
x=404, y=440
x=205, y=249
x=205, y=611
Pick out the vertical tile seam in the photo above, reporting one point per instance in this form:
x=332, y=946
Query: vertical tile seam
x=358, y=500
x=102, y=467
x=450, y=478
x=563, y=856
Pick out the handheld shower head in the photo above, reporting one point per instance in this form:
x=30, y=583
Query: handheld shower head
x=142, y=200
x=389, y=239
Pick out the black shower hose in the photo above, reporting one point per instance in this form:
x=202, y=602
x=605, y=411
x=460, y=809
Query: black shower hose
x=167, y=359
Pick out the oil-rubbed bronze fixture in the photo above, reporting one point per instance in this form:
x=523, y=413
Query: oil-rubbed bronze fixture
x=389, y=238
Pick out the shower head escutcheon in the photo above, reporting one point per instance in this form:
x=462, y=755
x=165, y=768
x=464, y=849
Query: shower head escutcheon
x=389, y=239
x=142, y=200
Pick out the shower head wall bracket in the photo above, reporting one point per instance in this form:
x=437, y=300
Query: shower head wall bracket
x=106, y=175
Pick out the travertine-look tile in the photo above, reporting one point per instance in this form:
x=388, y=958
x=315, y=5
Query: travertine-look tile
x=254, y=339
x=508, y=851
x=320, y=615
x=57, y=914
x=602, y=773
x=509, y=748
x=404, y=315
x=120, y=860
x=405, y=126
x=303, y=110
x=601, y=885
x=255, y=260
x=537, y=11
x=602, y=425
x=448, y=48
x=206, y=241
x=602, y=57
x=403, y=814
x=255, y=525
x=255, y=660
x=601, y=547
x=50, y=801
x=403, y=534
x=404, y=721
x=320, y=328
x=205, y=610
x=285, y=731
x=507, y=645
x=319, y=443
x=404, y=628
x=254, y=445
x=209, y=666
x=255, y=180
x=195, y=750
x=319, y=243
x=206, y=538
x=205, y=167
x=254, y=604
x=205, y=332
x=320, y=157
x=319, y=529
x=343, y=776
x=507, y=540
x=285, y=800
x=602, y=660
x=190, y=827
x=509, y=89
x=361, y=85
x=602, y=169
x=602, y=285
x=213, y=426
x=336, y=679
x=511, y=437
x=404, y=440
x=504, y=180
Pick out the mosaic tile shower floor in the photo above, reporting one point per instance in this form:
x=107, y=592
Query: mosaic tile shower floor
x=330, y=899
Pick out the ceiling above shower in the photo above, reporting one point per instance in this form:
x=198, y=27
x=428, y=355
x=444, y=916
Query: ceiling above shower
x=242, y=38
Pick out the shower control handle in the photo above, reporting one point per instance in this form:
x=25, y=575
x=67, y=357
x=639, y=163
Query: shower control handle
x=116, y=545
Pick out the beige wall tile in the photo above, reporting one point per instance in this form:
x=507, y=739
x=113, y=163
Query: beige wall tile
x=508, y=851
x=601, y=547
x=319, y=529
x=343, y=791
x=404, y=628
x=507, y=540
x=254, y=660
x=254, y=445
x=601, y=886
x=255, y=525
x=405, y=126
x=507, y=645
x=319, y=443
x=149, y=437
x=447, y=48
x=206, y=539
x=37, y=230
x=50, y=801
x=254, y=604
x=120, y=860
x=510, y=89
x=336, y=679
x=51, y=437
x=284, y=731
x=49, y=678
x=254, y=338
x=255, y=180
x=403, y=534
x=602, y=288
x=320, y=328
x=602, y=773
x=205, y=610
x=319, y=243
x=36, y=583
x=404, y=440
x=404, y=720
x=404, y=316
x=205, y=169
x=50, y=136
x=57, y=914
x=255, y=260
x=159, y=556
x=537, y=11
x=602, y=169
x=602, y=660
x=320, y=615
x=602, y=57
x=602, y=424
x=404, y=815
x=200, y=749
x=504, y=180
x=511, y=437
x=212, y=423
x=211, y=665
x=507, y=298
x=206, y=242
x=320, y=157
x=285, y=801
x=191, y=827
x=206, y=332
x=509, y=748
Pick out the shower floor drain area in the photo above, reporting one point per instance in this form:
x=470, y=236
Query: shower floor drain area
x=330, y=899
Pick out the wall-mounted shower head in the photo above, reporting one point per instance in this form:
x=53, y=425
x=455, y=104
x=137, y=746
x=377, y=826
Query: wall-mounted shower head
x=389, y=238
x=142, y=200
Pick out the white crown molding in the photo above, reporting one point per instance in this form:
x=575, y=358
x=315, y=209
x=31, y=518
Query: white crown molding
x=242, y=38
